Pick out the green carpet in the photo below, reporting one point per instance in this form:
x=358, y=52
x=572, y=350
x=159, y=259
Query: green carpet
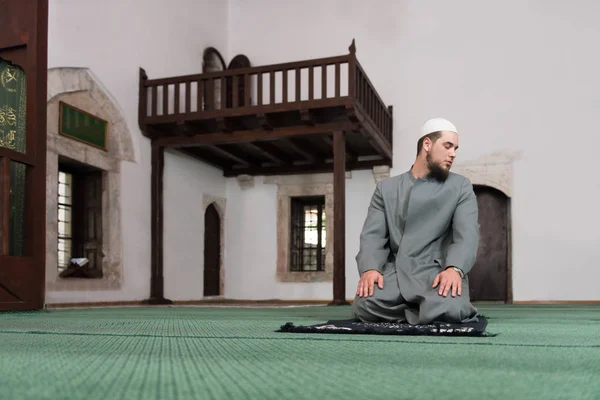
x=541, y=352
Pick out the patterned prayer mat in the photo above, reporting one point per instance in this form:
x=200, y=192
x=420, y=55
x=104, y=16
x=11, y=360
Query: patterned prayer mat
x=392, y=328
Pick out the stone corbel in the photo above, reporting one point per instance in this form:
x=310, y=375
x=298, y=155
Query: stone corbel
x=245, y=181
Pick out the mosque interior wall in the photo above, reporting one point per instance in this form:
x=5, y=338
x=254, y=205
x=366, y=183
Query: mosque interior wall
x=521, y=98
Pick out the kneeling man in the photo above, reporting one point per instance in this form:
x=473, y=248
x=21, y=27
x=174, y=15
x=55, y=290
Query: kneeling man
x=420, y=239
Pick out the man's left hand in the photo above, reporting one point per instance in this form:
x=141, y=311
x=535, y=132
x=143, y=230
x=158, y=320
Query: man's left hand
x=448, y=280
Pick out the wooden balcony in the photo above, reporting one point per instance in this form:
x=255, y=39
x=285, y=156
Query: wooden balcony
x=312, y=116
x=273, y=119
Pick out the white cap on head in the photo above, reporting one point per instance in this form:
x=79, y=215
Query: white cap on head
x=437, y=124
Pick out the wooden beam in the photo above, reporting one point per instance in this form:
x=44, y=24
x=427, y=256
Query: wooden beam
x=246, y=136
x=307, y=117
x=203, y=155
x=249, y=110
x=191, y=152
x=339, y=219
x=301, y=168
x=182, y=128
x=307, y=154
x=223, y=125
x=228, y=154
x=264, y=122
x=350, y=153
x=156, y=227
x=263, y=151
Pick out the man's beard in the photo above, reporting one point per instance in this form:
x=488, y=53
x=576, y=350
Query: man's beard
x=437, y=171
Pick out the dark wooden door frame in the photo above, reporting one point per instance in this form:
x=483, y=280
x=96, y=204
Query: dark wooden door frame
x=339, y=227
x=25, y=42
x=509, y=274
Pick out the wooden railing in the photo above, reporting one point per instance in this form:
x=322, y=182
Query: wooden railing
x=306, y=84
x=368, y=98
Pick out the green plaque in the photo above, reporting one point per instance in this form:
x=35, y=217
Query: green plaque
x=13, y=107
x=82, y=126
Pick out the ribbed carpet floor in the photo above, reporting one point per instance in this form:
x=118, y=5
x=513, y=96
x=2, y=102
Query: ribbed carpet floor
x=541, y=352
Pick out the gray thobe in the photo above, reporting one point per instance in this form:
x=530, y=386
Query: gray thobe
x=415, y=228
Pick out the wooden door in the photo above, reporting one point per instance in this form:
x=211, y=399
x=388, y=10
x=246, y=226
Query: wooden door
x=212, y=252
x=23, y=77
x=488, y=279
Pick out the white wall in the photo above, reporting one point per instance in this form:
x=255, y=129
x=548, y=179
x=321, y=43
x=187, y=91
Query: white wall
x=114, y=38
x=186, y=181
x=513, y=75
x=516, y=76
x=251, y=246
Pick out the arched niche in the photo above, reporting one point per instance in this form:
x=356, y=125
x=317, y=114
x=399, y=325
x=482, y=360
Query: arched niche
x=212, y=61
x=217, y=204
x=80, y=89
x=492, y=179
x=238, y=62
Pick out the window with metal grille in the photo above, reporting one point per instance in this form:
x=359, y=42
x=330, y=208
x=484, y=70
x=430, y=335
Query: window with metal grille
x=308, y=237
x=80, y=226
x=65, y=208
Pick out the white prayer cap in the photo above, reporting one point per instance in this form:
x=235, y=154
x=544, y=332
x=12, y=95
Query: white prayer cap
x=437, y=124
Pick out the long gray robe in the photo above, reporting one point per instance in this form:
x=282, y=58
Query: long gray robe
x=414, y=229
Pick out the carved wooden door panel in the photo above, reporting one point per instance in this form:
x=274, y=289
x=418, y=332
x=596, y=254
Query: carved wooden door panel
x=488, y=280
x=212, y=252
x=23, y=77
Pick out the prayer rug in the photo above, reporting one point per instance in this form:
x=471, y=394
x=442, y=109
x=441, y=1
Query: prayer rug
x=393, y=328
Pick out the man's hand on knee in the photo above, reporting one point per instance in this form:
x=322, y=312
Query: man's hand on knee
x=448, y=280
x=366, y=284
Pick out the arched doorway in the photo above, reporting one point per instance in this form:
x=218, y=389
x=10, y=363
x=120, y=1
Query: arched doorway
x=212, y=252
x=489, y=277
x=239, y=61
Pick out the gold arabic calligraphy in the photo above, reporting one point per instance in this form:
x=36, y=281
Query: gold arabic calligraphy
x=8, y=126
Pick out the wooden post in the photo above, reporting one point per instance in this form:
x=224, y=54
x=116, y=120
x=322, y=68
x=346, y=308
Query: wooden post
x=156, y=277
x=339, y=219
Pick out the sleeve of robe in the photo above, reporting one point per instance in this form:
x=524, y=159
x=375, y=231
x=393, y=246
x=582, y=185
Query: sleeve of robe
x=374, y=248
x=462, y=253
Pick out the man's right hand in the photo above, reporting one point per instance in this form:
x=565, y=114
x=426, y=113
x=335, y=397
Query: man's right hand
x=367, y=281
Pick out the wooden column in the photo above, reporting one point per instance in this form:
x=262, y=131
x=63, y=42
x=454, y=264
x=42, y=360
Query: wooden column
x=156, y=261
x=339, y=219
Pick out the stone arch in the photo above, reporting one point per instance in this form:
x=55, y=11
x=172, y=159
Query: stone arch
x=212, y=60
x=239, y=61
x=79, y=88
x=219, y=203
x=493, y=170
x=65, y=80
